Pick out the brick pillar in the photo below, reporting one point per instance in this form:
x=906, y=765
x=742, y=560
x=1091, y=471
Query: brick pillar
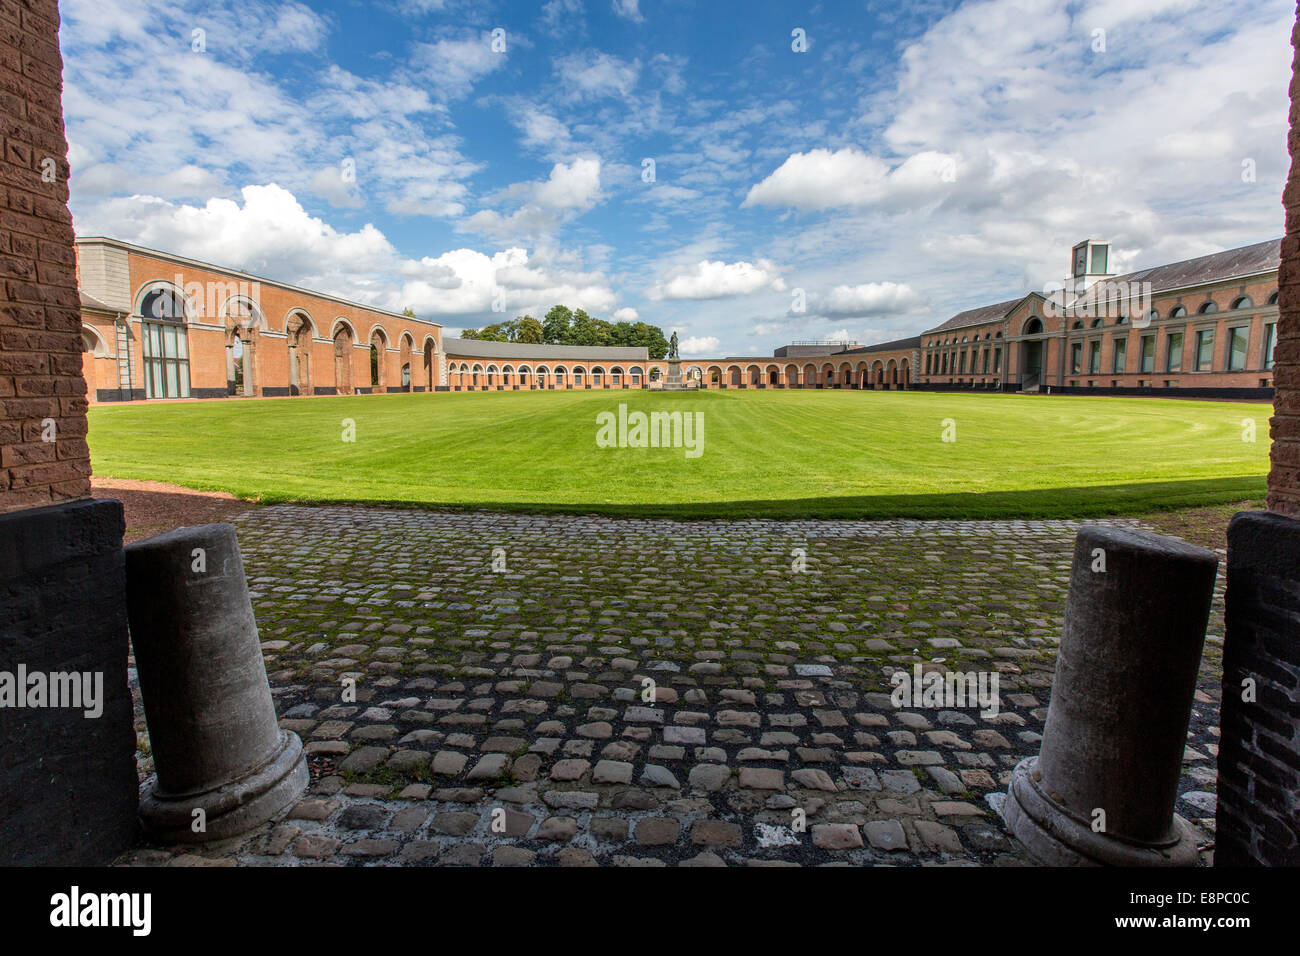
x=1258, y=817
x=68, y=789
x=1284, y=478
x=43, y=454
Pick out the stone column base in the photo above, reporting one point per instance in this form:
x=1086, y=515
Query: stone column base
x=1055, y=836
x=233, y=808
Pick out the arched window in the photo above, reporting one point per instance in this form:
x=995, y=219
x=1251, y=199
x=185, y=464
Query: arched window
x=1243, y=302
x=164, y=345
x=1034, y=326
x=1178, y=312
x=1208, y=307
x=1272, y=299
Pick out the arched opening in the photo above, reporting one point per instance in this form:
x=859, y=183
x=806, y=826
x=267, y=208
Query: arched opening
x=429, y=348
x=300, y=332
x=343, y=342
x=406, y=345
x=378, y=360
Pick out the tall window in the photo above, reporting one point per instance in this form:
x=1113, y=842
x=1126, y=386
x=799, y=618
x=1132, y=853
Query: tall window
x=962, y=369
x=1148, y=353
x=1174, y=357
x=1076, y=357
x=1094, y=358
x=1270, y=339
x=1120, y=360
x=1205, y=350
x=1238, y=342
x=166, y=351
x=997, y=361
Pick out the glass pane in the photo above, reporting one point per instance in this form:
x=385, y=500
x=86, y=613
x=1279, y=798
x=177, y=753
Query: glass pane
x=1270, y=336
x=183, y=370
x=155, y=373
x=173, y=384
x=1204, y=350
x=1237, y=350
x=182, y=344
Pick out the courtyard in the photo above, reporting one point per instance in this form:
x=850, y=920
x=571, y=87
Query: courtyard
x=828, y=453
x=487, y=688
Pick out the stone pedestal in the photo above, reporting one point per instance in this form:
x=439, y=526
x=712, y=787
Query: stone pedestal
x=673, y=381
x=216, y=743
x=68, y=787
x=1103, y=787
x=1258, y=817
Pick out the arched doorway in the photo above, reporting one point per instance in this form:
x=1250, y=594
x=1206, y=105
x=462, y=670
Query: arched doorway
x=343, y=342
x=1031, y=356
x=378, y=360
x=300, y=333
x=429, y=349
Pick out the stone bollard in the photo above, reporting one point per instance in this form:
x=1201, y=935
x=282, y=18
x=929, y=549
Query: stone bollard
x=217, y=746
x=1102, y=789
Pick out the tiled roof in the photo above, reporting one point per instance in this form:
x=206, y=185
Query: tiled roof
x=897, y=345
x=985, y=313
x=90, y=302
x=1248, y=260
x=1216, y=267
x=477, y=348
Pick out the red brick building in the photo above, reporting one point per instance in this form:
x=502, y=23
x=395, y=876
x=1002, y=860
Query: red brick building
x=157, y=325
x=1206, y=325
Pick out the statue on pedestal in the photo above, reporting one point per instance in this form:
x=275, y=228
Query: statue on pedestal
x=672, y=347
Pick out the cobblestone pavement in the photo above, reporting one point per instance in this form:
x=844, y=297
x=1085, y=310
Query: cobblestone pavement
x=503, y=716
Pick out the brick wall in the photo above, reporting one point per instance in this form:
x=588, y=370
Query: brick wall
x=1258, y=817
x=43, y=454
x=1284, y=479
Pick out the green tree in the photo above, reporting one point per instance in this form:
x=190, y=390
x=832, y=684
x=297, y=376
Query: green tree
x=556, y=325
x=528, y=330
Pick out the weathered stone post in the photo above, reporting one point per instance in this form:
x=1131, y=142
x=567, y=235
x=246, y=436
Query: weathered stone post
x=223, y=764
x=1103, y=787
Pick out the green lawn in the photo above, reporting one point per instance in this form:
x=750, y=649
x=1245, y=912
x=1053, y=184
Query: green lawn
x=765, y=453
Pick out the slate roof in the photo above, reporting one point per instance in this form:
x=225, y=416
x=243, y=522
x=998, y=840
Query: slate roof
x=1216, y=267
x=90, y=302
x=476, y=348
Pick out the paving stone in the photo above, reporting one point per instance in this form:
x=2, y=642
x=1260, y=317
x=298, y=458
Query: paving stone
x=836, y=836
x=656, y=831
x=885, y=834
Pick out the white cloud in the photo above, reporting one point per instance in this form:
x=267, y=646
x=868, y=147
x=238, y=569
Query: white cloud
x=717, y=279
x=453, y=66
x=700, y=346
x=571, y=189
x=592, y=75
x=870, y=298
x=822, y=179
x=625, y=314
x=629, y=9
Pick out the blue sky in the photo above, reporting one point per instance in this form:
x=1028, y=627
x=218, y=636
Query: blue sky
x=912, y=161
